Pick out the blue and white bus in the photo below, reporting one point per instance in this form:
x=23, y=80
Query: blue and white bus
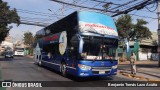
x=82, y=44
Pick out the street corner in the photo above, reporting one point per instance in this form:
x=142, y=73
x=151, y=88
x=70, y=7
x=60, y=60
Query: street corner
x=137, y=77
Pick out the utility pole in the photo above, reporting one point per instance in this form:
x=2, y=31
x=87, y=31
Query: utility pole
x=158, y=32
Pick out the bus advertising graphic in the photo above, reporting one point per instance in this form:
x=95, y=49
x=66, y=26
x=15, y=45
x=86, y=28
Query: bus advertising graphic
x=62, y=43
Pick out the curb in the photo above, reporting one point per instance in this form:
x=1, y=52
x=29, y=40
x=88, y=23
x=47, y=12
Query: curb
x=136, y=77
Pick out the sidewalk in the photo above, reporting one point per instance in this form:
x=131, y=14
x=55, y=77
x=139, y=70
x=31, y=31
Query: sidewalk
x=146, y=70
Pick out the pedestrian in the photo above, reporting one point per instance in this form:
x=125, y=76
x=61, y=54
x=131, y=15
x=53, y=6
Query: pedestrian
x=133, y=63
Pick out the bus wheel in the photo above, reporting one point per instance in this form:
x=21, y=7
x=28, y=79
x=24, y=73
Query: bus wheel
x=63, y=69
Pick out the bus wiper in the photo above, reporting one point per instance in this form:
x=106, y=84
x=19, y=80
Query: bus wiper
x=95, y=33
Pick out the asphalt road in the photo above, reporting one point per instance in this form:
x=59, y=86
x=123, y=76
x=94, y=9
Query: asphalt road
x=24, y=69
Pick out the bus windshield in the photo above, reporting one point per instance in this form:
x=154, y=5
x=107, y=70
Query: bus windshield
x=93, y=50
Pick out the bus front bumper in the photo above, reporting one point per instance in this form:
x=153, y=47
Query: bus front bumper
x=97, y=72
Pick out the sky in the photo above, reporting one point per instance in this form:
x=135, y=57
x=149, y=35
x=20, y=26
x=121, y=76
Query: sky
x=47, y=11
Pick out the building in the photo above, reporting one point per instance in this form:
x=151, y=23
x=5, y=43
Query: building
x=7, y=44
x=145, y=49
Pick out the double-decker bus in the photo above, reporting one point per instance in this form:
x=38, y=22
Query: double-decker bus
x=82, y=44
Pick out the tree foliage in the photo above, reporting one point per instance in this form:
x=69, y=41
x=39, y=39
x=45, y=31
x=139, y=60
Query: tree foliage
x=28, y=38
x=125, y=27
x=28, y=41
x=7, y=17
x=141, y=30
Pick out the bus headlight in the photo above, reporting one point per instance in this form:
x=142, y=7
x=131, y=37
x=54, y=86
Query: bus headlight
x=114, y=67
x=84, y=67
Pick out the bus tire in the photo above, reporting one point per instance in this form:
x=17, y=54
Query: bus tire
x=63, y=69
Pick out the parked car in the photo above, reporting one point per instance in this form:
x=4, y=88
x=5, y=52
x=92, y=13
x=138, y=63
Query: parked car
x=8, y=54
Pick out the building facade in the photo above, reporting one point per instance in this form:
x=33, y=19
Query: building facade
x=145, y=49
x=7, y=44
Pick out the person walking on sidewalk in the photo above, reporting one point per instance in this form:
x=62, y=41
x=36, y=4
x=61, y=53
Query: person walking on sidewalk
x=133, y=63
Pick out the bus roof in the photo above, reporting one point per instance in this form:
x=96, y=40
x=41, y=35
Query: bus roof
x=83, y=21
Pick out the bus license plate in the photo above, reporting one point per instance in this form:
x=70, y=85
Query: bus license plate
x=101, y=72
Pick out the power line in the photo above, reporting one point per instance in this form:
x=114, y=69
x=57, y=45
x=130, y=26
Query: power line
x=148, y=11
x=105, y=2
x=123, y=4
x=143, y=16
x=74, y=2
x=64, y=10
x=34, y=23
x=136, y=7
x=36, y=13
x=33, y=18
x=78, y=4
x=96, y=4
x=32, y=11
x=131, y=6
x=81, y=6
x=28, y=23
x=152, y=7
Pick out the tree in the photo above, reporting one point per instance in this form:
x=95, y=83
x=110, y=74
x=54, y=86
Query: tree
x=128, y=30
x=124, y=27
x=7, y=17
x=28, y=41
x=141, y=30
x=28, y=38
